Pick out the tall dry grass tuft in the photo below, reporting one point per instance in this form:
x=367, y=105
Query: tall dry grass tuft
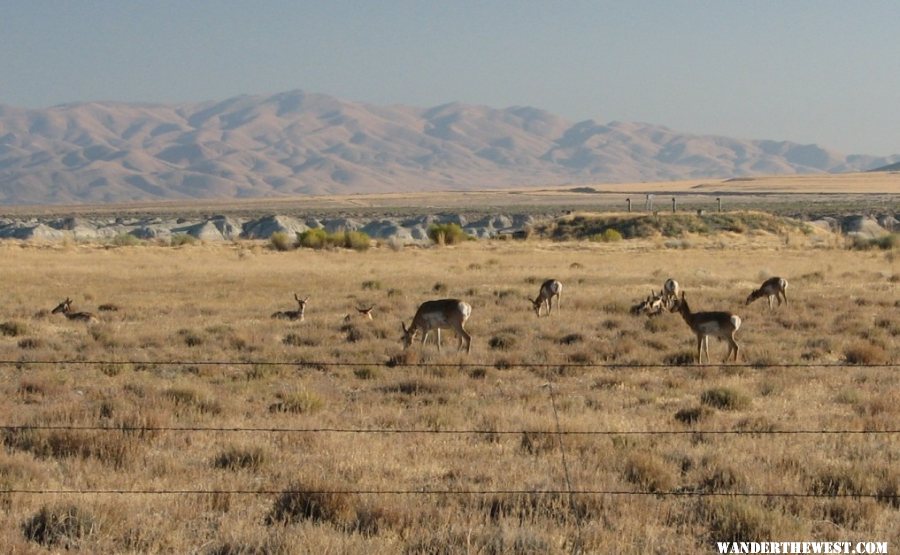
x=65, y=526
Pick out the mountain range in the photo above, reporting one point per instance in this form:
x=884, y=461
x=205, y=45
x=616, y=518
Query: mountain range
x=299, y=143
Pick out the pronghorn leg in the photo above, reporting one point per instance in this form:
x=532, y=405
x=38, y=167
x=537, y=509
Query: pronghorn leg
x=732, y=346
x=439, y=339
x=468, y=338
x=699, y=349
x=706, y=348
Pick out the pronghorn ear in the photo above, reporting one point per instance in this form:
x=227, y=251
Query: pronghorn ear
x=306, y=299
x=403, y=327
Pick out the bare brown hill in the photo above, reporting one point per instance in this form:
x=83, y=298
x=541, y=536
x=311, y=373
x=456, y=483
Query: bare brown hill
x=296, y=143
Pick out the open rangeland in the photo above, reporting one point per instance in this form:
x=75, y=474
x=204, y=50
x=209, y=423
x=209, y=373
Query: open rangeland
x=464, y=459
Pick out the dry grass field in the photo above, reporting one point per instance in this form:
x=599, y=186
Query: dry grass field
x=464, y=461
x=866, y=191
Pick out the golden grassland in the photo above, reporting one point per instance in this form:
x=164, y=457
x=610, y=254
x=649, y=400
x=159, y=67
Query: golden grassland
x=200, y=303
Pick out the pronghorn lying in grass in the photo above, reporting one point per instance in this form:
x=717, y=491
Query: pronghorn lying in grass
x=774, y=289
x=434, y=315
x=549, y=289
x=717, y=324
x=364, y=313
x=293, y=314
x=651, y=306
x=65, y=308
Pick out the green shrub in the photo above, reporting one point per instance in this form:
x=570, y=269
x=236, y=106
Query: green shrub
x=356, y=240
x=125, y=240
x=608, y=236
x=320, y=239
x=281, y=241
x=312, y=238
x=447, y=234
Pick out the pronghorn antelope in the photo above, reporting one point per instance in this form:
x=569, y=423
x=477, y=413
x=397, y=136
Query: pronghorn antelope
x=365, y=313
x=293, y=314
x=773, y=288
x=651, y=306
x=66, y=308
x=717, y=324
x=434, y=315
x=549, y=289
x=670, y=292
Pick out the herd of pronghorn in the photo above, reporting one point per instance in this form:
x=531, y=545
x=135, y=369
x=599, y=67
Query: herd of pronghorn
x=453, y=313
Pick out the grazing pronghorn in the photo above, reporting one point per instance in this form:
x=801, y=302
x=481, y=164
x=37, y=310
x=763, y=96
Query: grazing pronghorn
x=66, y=308
x=652, y=306
x=670, y=292
x=434, y=315
x=365, y=313
x=549, y=289
x=293, y=314
x=717, y=324
x=773, y=288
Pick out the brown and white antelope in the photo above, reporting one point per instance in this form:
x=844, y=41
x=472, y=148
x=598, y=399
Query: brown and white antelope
x=651, y=306
x=774, y=289
x=549, y=289
x=65, y=308
x=717, y=324
x=293, y=314
x=364, y=313
x=437, y=315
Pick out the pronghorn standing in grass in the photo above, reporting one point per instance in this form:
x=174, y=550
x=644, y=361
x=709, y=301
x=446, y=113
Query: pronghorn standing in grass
x=364, y=313
x=293, y=314
x=670, y=292
x=434, y=315
x=65, y=308
x=549, y=289
x=717, y=324
x=774, y=289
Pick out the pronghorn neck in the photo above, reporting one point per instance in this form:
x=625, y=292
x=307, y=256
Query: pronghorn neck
x=685, y=311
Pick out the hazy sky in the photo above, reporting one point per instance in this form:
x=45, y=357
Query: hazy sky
x=816, y=71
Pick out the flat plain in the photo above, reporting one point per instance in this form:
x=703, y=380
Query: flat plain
x=189, y=420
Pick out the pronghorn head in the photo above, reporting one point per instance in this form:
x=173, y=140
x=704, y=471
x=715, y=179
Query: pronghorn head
x=63, y=307
x=537, y=304
x=301, y=302
x=366, y=312
x=755, y=295
x=408, y=334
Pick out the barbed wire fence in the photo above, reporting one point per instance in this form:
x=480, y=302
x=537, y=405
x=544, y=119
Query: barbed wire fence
x=570, y=491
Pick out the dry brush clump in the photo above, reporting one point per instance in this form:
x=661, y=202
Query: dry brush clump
x=206, y=303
